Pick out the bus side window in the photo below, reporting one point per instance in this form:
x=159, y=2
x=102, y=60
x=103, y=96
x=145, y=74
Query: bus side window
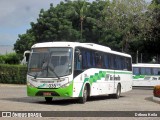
x=142, y=71
x=155, y=71
x=148, y=71
x=98, y=60
x=106, y=61
x=136, y=71
x=77, y=60
x=93, y=59
x=84, y=61
x=118, y=63
x=115, y=63
x=111, y=61
x=129, y=66
x=88, y=54
x=123, y=64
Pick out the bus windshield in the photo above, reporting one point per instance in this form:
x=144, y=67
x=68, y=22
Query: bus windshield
x=50, y=62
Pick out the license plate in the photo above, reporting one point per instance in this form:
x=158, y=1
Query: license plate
x=47, y=94
x=53, y=85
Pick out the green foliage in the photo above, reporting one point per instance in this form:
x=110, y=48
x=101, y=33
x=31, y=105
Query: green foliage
x=24, y=42
x=11, y=58
x=13, y=74
x=123, y=25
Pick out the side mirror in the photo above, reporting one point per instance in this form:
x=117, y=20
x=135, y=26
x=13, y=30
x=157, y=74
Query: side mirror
x=78, y=52
x=79, y=58
x=26, y=55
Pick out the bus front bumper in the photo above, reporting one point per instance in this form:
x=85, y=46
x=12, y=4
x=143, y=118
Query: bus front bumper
x=50, y=92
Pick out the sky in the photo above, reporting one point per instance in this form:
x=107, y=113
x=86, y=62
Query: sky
x=16, y=15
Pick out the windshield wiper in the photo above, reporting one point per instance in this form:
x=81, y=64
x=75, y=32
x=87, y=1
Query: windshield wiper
x=55, y=74
x=35, y=76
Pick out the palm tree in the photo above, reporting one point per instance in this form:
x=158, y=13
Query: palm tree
x=80, y=10
x=83, y=10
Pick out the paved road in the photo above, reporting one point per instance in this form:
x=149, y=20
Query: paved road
x=14, y=98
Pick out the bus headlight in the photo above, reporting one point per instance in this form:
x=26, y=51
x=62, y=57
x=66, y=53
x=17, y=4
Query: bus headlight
x=30, y=84
x=66, y=82
x=66, y=85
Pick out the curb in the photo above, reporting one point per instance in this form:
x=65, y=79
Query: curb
x=12, y=85
x=156, y=99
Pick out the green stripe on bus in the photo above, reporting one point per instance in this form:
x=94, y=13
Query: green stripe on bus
x=98, y=76
x=138, y=76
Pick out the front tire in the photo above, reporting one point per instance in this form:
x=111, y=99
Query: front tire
x=83, y=99
x=48, y=99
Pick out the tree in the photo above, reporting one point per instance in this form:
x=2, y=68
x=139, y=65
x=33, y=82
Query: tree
x=81, y=10
x=152, y=42
x=11, y=58
x=126, y=20
x=123, y=25
x=54, y=25
x=24, y=42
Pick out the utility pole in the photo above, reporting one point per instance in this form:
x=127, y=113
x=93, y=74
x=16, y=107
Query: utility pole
x=137, y=57
x=141, y=57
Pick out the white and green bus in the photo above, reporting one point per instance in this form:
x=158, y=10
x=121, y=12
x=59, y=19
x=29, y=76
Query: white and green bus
x=77, y=70
x=145, y=74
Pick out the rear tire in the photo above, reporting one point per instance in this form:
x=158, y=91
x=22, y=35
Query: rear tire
x=118, y=92
x=48, y=99
x=83, y=99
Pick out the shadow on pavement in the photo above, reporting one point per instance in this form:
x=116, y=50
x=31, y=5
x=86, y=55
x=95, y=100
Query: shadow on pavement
x=151, y=100
x=63, y=102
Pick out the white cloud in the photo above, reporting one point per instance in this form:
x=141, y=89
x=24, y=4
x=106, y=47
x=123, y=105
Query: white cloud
x=6, y=38
x=16, y=15
x=19, y=12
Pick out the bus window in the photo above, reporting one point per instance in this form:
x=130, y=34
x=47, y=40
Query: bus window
x=142, y=71
x=84, y=61
x=136, y=71
x=116, y=63
x=129, y=66
x=77, y=60
x=93, y=59
x=106, y=61
x=120, y=62
x=111, y=61
x=88, y=59
x=98, y=60
x=156, y=71
x=123, y=64
x=148, y=71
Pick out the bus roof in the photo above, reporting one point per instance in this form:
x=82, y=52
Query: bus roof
x=145, y=65
x=92, y=46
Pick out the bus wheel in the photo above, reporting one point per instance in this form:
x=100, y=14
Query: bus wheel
x=48, y=99
x=83, y=99
x=118, y=92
